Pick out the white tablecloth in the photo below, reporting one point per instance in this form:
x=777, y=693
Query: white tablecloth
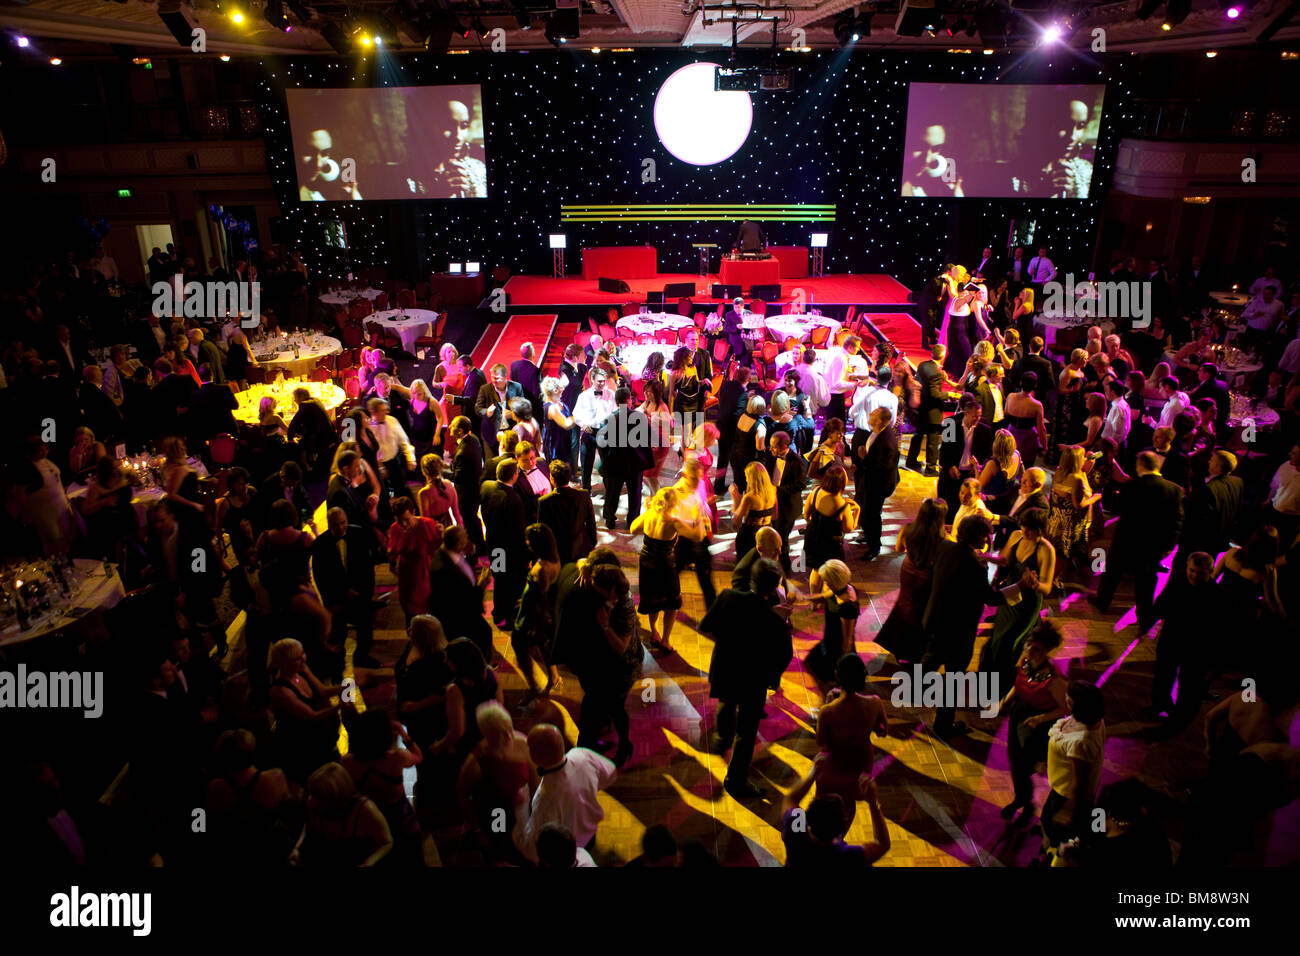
x=1263, y=417
x=409, y=324
x=1052, y=324
x=651, y=322
x=1237, y=300
x=91, y=592
x=313, y=349
x=788, y=360
x=250, y=399
x=345, y=298
x=141, y=499
x=801, y=326
x=634, y=357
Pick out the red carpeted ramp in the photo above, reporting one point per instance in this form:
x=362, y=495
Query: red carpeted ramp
x=902, y=331
x=519, y=329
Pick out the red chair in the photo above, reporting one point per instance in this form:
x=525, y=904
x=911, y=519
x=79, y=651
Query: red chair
x=612, y=314
x=820, y=334
x=352, y=388
x=645, y=338
x=848, y=316
x=406, y=299
x=666, y=337
x=685, y=306
x=591, y=324
x=721, y=350
x=256, y=374
x=638, y=390
x=354, y=336
x=841, y=334
x=222, y=449
x=422, y=292
x=319, y=374
x=790, y=343
x=759, y=307
x=770, y=351
x=701, y=319
x=359, y=309
x=582, y=338
x=607, y=332
x=683, y=332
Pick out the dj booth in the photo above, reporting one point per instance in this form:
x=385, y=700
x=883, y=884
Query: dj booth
x=750, y=272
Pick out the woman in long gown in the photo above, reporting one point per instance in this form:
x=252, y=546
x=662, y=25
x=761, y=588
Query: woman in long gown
x=1000, y=477
x=1069, y=403
x=902, y=634
x=1070, y=519
x=754, y=509
x=832, y=583
x=1028, y=570
x=557, y=422
x=830, y=517
x=844, y=729
x=959, y=321
x=1024, y=419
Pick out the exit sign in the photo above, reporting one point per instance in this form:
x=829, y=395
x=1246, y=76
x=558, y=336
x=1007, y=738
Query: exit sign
x=124, y=194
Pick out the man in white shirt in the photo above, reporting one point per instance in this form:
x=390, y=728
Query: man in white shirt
x=568, y=793
x=1040, y=268
x=1290, y=360
x=812, y=383
x=1176, y=402
x=1268, y=280
x=1119, y=417
x=1264, y=312
x=867, y=399
x=845, y=368
x=592, y=408
x=396, y=454
x=1284, y=496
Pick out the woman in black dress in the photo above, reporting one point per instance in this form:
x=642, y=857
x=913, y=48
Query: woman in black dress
x=658, y=583
x=902, y=634
x=238, y=358
x=306, y=723
x=424, y=420
x=748, y=440
x=831, y=583
x=830, y=516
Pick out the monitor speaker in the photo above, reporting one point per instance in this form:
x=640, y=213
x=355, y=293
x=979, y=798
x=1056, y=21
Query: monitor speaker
x=654, y=298
x=768, y=293
x=612, y=285
x=679, y=290
x=725, y=291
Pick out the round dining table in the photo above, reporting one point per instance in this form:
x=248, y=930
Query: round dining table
x=91, y=591
x=345, y=297
x=250, y=399
x=800, y=325
x=649, y=323
x=794, y=358
x=278, y=356
x=634, y=357
x=409, y=324
x=1231, y=300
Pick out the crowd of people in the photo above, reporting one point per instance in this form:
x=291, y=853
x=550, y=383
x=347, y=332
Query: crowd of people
x=473, y=491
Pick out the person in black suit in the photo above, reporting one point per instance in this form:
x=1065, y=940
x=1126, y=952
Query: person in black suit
x=145, y=337
x=731, y=326
x=1150, y=518
x=171, y=397
x=72, y=358
x=1216, y=390
x=1196, y=282
x=459, y=587
x=343, y=492
x=967, y=444
x=749, y=237
x=466, y=476
x=752, y=647
x=1031, y=498
x=929, y=308
x=491, y=404
x=573, y=372
x=528, y=375
x=789, y=473
x=98, y=412
x=312, y=429
x=287, y=484
x=988, y=267
x=570, y=515
x=625, y=453
x=211, y=411
x=1212, y=510
x=504, y=522
x=509, y=442
x=733, y=397
x=468, y=398
x=875, y=467
x=344, y=570
x=929, y=416
x=958, y=595
x=1038, y=363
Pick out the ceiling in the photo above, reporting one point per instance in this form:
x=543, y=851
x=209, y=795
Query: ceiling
x=70, y=28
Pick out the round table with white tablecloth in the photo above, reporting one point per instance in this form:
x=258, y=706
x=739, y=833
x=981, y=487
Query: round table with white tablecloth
x=250, y=399
x=409, y=324
x=800, y=326
x=1231, y=300
x=141, y=498
x=91, y=592
x=1054, y=323
x=1243, y=412
x=648, y=323
x=345, y=297
x=794, y=359
x=280, y=357
x=634, y=357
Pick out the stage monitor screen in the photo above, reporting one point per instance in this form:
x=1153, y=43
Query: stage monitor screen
x=408, y=142
x=1001, y=140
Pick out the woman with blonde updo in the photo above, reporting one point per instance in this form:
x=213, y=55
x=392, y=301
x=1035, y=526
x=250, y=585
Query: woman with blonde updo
x=661, y=590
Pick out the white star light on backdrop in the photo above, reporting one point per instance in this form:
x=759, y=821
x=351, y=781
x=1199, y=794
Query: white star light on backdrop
x=836, y=138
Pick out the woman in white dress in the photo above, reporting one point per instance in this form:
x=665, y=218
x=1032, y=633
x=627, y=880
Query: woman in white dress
x=48, y=510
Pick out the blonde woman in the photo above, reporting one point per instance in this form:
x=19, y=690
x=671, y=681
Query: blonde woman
x=660, y=588
x=498, y=773
x=306, y=722
x=343, y=828
x=272, y=423
x=753, y=509
x=748, y=440
x=832, y=584
x=437, y=499
x=181, y=484
x=661, y=429
x=557, y=422
x=1070, y=519
x=958, y=329
x=999, y=479
x=426, y=419
x=1069, y=406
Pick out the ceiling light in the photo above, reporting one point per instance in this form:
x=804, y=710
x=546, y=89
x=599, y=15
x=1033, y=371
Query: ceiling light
x=1211, y=53
x=23, y=42
x=55, y=61
x=225, y=58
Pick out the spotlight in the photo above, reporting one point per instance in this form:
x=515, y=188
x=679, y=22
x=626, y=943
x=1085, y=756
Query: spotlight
x=55, y=61
x=236, y=17
x=379, y=41
x=1166, y=25
x=365, y=40
x=1232, y=12
x=1051, y=34
x=1211, y=54
x=22, y=42
x=844, y=32
x=274, y=14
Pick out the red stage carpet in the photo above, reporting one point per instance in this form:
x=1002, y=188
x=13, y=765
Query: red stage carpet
x=518, y=330
x=857, y=290
x=903, y=331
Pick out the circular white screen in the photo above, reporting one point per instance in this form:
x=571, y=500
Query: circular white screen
x=695, y=122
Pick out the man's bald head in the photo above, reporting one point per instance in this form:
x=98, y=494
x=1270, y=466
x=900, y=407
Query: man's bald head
x=768, y=542
x=546, y=746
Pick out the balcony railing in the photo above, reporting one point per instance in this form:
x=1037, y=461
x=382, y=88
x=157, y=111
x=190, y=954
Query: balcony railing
x=1198, y=120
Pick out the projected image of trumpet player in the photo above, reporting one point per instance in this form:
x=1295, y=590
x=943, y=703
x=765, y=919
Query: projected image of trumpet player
x=931, y=170
x=457, y=174
x=321, y=175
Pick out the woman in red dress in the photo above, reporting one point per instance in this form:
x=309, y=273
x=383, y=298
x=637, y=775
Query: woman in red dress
x=412, y=541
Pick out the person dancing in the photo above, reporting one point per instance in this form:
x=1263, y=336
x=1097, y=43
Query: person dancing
x=960, y=321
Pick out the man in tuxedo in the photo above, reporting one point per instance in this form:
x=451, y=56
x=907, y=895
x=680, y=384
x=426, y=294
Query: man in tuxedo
x=1150, y=518
x=625, y=453
x=312, y=429
x=952, y=615
x=749, y=237
x=593, y=407
x=344, y=571
x=733, y=396
x=491, y=404
x=570, y=515
x=1214, y=388
x=1031, y=498
x=967, y=443
x=1212, y=510
x=988, y=267
x=343, y=492
x=1197, y=281
x=149, y=338
x=509, y=442
x=534, y=481
x=98, y=412
x=699, y=357
x=466, y=475
x=171, y=397
x=211, y=410
x=789, y=474
x=752, y=647
x=70, y=356
x=732, y=322
x=529, y=376
x=929, y=417
x=504, y=522
x=287, y=484
x=875, y=461
x=459, y=587
x=1038, y=363
x=467, y=401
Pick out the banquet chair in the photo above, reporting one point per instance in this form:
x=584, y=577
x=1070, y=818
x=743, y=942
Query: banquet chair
x=381, y=302
x=758, y=307
x=701, y=319
x=770, y=351
x=406, y=299
x=817, y=338
x=645, y=338
x=848, y=316
x=721, y=350
x=607, y=332
x=685, y=306
x=222, y=449
x=666, y=337
x=352, y=388
x=791, y=343
x=319, y=374
x=842, y=333
x=581, y=338
x=256, y=374
x=638, y=390
x=422, y=292
x=354, y=335
x=359, y=309
x=591, y=324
